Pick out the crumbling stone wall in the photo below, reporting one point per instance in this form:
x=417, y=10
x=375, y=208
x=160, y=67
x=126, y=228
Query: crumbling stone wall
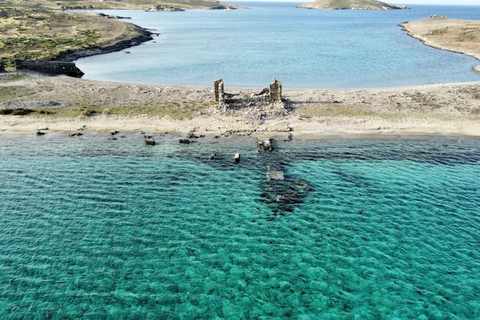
x=51, y=67
x=275, y=91
x=219, y=91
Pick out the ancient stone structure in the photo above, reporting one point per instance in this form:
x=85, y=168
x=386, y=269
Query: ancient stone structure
x=275, y=91
x=265, y=144
x=51, y=67
x=219, y=91
x=2, y=65
x=150, y=142
x=184, y=141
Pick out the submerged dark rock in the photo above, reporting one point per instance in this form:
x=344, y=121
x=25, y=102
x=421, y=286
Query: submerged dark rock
x=265, y=144
x=149, y=142
x=281, y=192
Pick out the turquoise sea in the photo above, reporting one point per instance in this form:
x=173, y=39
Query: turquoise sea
x=300, y=47
x=360, y=228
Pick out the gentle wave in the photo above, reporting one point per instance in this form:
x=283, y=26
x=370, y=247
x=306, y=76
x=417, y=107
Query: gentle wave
x=163, y=232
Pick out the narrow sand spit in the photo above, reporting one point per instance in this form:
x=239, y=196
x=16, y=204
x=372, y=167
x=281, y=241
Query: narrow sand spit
x=65, y=104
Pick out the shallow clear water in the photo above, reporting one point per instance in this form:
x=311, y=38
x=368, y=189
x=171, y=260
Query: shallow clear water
x=302, y=48
x=377, y=228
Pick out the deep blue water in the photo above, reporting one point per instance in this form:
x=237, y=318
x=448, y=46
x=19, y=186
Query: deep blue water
x=302, y=48
x=379, y=228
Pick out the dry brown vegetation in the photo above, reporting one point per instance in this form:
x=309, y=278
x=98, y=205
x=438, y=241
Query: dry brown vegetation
x=41, y=29
x=449, y=34
x=31, y=31
x=136, y=4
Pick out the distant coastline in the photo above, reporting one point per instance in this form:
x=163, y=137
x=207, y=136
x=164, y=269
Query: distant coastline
x=453, y=35
x=144, y=35
x=351, y=5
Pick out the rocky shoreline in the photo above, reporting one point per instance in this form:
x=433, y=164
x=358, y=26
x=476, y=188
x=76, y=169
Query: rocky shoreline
x=145, y=35
x=442, y=33
x=30, y=101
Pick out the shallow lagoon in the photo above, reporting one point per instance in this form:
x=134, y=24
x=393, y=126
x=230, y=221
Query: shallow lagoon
x=302, y=48
x=95, y=228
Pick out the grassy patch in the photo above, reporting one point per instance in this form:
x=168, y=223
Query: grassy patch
x=31, y=30
x=467, y=35
x=13, y=92
x=334, y=110
x=16, y=112
x=44, y=46
x=172, y=110
x=438, y=32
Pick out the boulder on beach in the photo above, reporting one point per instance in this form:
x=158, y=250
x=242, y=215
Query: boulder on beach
x=265, y=144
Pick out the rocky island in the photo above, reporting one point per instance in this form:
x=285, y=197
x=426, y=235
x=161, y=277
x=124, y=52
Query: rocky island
x=350, y=5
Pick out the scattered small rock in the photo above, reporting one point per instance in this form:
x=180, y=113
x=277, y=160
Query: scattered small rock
x=265, y=144
x=150, y=142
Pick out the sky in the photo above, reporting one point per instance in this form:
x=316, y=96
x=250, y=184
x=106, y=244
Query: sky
x=448, y=2
x=440, y=2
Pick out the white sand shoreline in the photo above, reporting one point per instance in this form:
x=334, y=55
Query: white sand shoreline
x=434, y=109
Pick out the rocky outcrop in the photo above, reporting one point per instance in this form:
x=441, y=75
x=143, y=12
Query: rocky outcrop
x=280, y=191
x=144, y=36
x=265, y=144
x=165, y=9
x=149, y=142
x=351, y=5
x=112, y=16
x=184, y=141
x=50, y=67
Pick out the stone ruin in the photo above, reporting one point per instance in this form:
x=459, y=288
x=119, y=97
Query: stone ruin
x=219, y=91
x=268, y=97
x=275, y=91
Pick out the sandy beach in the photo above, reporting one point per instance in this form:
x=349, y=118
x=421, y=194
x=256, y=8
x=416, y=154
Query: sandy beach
x=65, y=104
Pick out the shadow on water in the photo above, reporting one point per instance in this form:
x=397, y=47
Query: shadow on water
x=281, y=192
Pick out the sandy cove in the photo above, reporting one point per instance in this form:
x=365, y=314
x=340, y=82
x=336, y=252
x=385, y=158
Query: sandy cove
x=437, y=109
